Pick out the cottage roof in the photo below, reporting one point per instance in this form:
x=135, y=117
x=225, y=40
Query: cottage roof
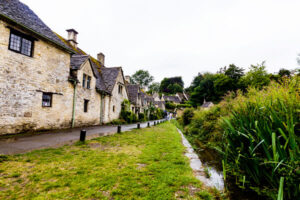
x=77, y=60
x=172, y=99
x=106, y=76
x=109, y=76
x=19, y=13
x=207, y=104
x=160, y=104
x=133, y=92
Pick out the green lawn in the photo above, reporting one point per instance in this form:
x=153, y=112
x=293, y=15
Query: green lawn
x=140, y=164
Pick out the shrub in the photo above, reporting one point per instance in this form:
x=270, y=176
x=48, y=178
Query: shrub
x=118, y=121
x=187, y=116
x=184, y=106
x=170, y=105
x=142, y=117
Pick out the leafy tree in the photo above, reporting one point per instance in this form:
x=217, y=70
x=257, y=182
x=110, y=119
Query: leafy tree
x=257, y=76
x=205, y=90
x=171, y=85
x=142, y=77
x=154, y=87
x=284, y=72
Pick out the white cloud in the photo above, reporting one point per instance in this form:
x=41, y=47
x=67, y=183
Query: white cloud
x=180, y=37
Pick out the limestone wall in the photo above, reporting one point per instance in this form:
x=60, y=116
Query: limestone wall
x=92, y=116
x=21, y=78
x=113, y=104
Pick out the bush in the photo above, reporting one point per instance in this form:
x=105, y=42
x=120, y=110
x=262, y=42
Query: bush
x=184, y=106
x=170, y=105
x=126, y=116
x=187, y=116
x=142, y=117
x=118, y=121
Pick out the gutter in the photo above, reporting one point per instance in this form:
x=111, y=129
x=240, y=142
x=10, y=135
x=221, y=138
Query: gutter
x=40, y=35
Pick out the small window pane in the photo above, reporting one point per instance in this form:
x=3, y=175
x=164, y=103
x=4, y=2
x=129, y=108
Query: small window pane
x=86, y=103
x=83, y=81
x=47, y=100
x=88, y=82
x=15, y=42
x=26, y=47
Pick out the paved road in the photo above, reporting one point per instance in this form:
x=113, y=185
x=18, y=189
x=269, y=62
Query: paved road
x=58, y=138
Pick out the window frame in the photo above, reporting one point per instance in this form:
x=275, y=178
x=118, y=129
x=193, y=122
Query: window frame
x=51, y=99
x=83, y=80
x=120, y=89
x=88, y=82
x=22, y=36
x=86, y=105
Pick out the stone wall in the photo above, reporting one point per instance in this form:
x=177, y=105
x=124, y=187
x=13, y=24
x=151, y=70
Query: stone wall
x=92, y=116
x=21, y=80
x=113, y=104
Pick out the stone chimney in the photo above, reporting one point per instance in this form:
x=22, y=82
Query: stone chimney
x=101, y=58
x=127, y=79
x=72, y=37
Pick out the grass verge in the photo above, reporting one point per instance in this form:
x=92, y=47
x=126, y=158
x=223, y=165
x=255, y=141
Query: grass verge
x=140, y=164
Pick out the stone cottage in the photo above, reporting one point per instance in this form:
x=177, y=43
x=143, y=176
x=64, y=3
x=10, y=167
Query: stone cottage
x=134, y=95
x=47, y=82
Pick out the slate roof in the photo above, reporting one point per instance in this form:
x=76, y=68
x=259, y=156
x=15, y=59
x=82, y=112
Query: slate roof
x=207, y=104
x=16, y=11
x=77, y=60
x=133, y=91
x=174, y=99
x=106, y=76
x=160, y=104
x=109, y=76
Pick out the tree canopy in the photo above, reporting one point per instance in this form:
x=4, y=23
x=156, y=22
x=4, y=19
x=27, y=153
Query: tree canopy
x=172, y=85
x=142, y=77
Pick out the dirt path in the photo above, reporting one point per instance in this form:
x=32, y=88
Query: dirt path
x=58, y=138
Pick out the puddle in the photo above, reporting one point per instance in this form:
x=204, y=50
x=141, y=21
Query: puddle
x=216, y=177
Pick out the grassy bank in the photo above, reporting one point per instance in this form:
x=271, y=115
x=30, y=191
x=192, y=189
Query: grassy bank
x=140, y=164
x=257, y=134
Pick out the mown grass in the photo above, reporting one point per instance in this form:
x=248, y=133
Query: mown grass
x=140, y=164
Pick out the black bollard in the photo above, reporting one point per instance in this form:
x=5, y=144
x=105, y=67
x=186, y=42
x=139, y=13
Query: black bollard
x=119, y=128
x=148, y=124
x=138, y=125
x=154, y=123
x=82, y=135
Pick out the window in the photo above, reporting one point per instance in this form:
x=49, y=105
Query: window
x=83, y=80
x=114, y=108
x=86, y=104
x=86, y=81
x=88, y=84
x=120, y=89
x=47, y=100
x=20, y=43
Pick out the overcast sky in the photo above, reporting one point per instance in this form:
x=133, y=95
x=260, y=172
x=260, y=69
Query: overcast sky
x=180, y=37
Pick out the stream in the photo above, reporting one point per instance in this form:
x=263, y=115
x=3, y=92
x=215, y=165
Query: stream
x=207, y=168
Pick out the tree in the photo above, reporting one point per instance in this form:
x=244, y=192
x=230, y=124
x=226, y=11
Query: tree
x=142, y=77
x=154, y=88
x=284, y=72
x=171, y=85
x=257, y=76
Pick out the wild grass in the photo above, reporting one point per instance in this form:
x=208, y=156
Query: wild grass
x=140, y=164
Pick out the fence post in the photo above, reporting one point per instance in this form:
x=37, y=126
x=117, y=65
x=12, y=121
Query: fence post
x=82, y=135
x=138, y=125
x=148, y=124
x=119, y=128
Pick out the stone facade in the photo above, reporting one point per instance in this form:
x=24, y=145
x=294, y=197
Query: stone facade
x=92, y=116
x=23, y=80
x=113, y=103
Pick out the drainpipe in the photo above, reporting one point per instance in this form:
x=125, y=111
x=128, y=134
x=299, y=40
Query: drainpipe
x=74, y=105
x=101, y=109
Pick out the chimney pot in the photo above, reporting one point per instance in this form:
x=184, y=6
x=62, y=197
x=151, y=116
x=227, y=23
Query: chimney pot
x=72, y=37
x=101, y=58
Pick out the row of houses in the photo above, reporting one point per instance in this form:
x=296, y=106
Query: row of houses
x=48, y=82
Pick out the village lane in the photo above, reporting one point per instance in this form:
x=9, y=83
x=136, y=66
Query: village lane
x=23, y=144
